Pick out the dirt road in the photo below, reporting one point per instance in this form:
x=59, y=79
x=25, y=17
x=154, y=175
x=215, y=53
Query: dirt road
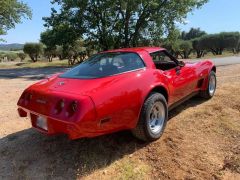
x=201, y=141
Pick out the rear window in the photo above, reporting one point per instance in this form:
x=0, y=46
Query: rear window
x=105, y=64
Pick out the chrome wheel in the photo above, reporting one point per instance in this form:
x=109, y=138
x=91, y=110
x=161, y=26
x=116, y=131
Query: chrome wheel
x=212, y=85
x=156, y=117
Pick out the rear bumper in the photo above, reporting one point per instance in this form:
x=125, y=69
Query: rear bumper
x=73, y=130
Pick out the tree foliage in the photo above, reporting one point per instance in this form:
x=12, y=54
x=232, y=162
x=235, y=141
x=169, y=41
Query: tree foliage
x=22, y=56
x=77, y=52
x=198, y=47
x=34, y=50
x=185, y=48
x=11, y=13
x=117, y=23
x=11, y=56
x=216, y=43
x=192, y=34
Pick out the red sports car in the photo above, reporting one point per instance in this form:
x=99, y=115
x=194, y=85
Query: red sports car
x=132, y=88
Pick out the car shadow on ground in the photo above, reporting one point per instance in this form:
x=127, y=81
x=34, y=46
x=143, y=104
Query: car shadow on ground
x=30, y=73
x=28, y=154
x=192, y=102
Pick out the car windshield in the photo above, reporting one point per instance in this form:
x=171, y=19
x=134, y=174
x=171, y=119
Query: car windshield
x=105, y=64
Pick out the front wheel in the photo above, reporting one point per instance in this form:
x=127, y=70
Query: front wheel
x=211, y=87
x=153, y=118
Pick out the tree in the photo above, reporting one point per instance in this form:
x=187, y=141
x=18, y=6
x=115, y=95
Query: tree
x=230, y=40
x=185, y=48
x=117, y=23
x=2, y=55
x=11, y=56
x=192, y=34
x=62, y=36
x=77, y=52
x=216, y=43
x=198, y=47
x=171, y=42
x=49, y=53
x=34, y=50
x=48, y=38
x=59, y=52
x=22, y=56
x=11, y=13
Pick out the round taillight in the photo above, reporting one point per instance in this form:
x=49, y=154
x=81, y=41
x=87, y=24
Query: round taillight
x=74, y=106
x=62, y=104
x=59, y=107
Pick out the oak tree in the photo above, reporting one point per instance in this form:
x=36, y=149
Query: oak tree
x=117, y=23
x=11, y=13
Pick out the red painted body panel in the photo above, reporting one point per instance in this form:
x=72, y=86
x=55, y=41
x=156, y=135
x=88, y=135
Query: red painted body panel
x=107, y=104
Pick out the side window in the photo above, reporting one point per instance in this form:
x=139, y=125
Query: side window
x=163, y=61
x=131, y=61
x=161, y=57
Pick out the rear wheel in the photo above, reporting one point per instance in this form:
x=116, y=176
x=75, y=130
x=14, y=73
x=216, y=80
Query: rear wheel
x=211, y=87
x=153, y=118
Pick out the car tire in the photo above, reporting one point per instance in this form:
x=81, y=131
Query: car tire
x=153, y=118
x=211, y=86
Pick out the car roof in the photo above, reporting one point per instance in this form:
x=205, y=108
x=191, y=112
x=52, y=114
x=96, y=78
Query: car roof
x=137, y=49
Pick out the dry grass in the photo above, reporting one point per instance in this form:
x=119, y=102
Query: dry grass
x=38, y=64
x=209, y=55
x=201, y=141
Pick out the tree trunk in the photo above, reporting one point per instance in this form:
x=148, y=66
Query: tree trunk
x=70, y=61
x=32, y=58
x=214, y=52
x=50, y=58
x=199, y=53
x=220, y=51
x=178, y=53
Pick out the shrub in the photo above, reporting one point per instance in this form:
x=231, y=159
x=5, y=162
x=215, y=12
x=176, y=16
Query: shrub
x=11, y=56
x=22, y=56
x=34, y=50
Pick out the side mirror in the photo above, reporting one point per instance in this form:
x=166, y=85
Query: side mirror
x=181, y=63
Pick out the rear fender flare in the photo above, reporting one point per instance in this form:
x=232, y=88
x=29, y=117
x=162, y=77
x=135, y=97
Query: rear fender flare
x=152, y=89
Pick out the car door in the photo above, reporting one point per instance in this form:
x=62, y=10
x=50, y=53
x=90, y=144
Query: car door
x=181, y=79
x=181, y=82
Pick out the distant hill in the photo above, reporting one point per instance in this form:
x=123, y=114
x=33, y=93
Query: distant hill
x=8, y=47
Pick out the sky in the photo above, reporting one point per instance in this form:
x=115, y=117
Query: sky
x=215, y=16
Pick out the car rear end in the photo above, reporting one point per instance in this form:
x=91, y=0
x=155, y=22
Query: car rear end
x=53, y=112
